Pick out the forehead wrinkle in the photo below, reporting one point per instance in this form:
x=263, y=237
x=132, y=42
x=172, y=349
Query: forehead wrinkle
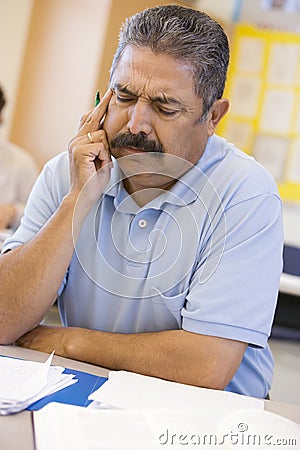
x=124, y=89
x=162, y=97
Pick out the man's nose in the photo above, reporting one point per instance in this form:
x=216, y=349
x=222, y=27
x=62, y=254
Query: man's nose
x=139, y=117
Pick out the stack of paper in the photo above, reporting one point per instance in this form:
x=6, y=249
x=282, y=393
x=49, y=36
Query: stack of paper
x=78, y=428
x=158, y=414
x=24, y=382
x=127, y=390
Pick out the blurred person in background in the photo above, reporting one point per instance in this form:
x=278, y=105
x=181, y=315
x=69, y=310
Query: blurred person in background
x=18, y=173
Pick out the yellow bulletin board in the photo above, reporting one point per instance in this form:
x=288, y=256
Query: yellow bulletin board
x=264, y=90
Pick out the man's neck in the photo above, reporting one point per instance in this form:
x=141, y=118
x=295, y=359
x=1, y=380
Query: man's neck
x=143, y=195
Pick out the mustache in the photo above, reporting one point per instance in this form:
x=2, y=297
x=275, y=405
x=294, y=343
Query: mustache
x=138, y=141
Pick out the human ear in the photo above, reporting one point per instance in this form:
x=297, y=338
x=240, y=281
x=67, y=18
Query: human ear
x=216, y=113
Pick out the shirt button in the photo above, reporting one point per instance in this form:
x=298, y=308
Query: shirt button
x=142, y=223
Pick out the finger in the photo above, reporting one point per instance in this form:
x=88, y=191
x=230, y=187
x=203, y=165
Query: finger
x=92, y=137
x=102, y=156
x=81, y=147
x=101, y=145
x=83, y=118
x=92, y=122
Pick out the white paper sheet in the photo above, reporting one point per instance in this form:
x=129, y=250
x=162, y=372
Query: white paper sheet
x=240, y=133
x=76, y=428
x=24, y=382
x=283, y=63
x=20, y=379
x=131, y=391
x=277, y=111
x=271, y=152
x=67, y=427
x=244, y=96
x=251, y=53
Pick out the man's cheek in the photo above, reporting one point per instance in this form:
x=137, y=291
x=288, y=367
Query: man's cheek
x=111, y=121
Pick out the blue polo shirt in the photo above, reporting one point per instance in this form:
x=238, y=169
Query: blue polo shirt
x=205, y=256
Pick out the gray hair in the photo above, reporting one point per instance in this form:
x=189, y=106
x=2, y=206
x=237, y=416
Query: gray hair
x=186, y=34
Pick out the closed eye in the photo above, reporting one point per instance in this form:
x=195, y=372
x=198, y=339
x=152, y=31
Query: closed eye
x=123, y=99
x=167, y=112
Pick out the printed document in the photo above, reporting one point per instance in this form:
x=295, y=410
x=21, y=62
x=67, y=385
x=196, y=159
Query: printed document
x=24, y=382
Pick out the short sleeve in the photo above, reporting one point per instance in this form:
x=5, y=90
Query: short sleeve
x=234, y=288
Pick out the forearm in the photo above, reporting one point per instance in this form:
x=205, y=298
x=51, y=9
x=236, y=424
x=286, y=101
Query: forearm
x=174, y=355
x=31, y=274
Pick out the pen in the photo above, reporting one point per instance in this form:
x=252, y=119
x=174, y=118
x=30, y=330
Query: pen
x=97, y=98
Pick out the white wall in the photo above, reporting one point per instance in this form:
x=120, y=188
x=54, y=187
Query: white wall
x=221, y=9
x=54, y=72
x=65, y=81
x=15, y=18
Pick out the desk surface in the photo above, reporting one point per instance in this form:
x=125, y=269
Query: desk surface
x=16, y=431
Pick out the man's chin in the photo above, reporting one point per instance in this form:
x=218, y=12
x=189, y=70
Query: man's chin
x=148, y=182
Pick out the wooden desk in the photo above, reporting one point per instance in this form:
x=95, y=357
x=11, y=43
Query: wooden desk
x=16, y=431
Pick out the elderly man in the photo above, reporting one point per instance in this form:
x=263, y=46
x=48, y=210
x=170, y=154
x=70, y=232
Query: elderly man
x=161, y=241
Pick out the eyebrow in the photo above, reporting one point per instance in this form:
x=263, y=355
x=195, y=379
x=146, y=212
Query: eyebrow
x=163, y=98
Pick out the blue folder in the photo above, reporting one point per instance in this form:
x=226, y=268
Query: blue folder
x=76, y=394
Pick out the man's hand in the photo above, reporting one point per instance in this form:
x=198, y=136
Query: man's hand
x=7, y=214
x=90, y=159
x=48, y=338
